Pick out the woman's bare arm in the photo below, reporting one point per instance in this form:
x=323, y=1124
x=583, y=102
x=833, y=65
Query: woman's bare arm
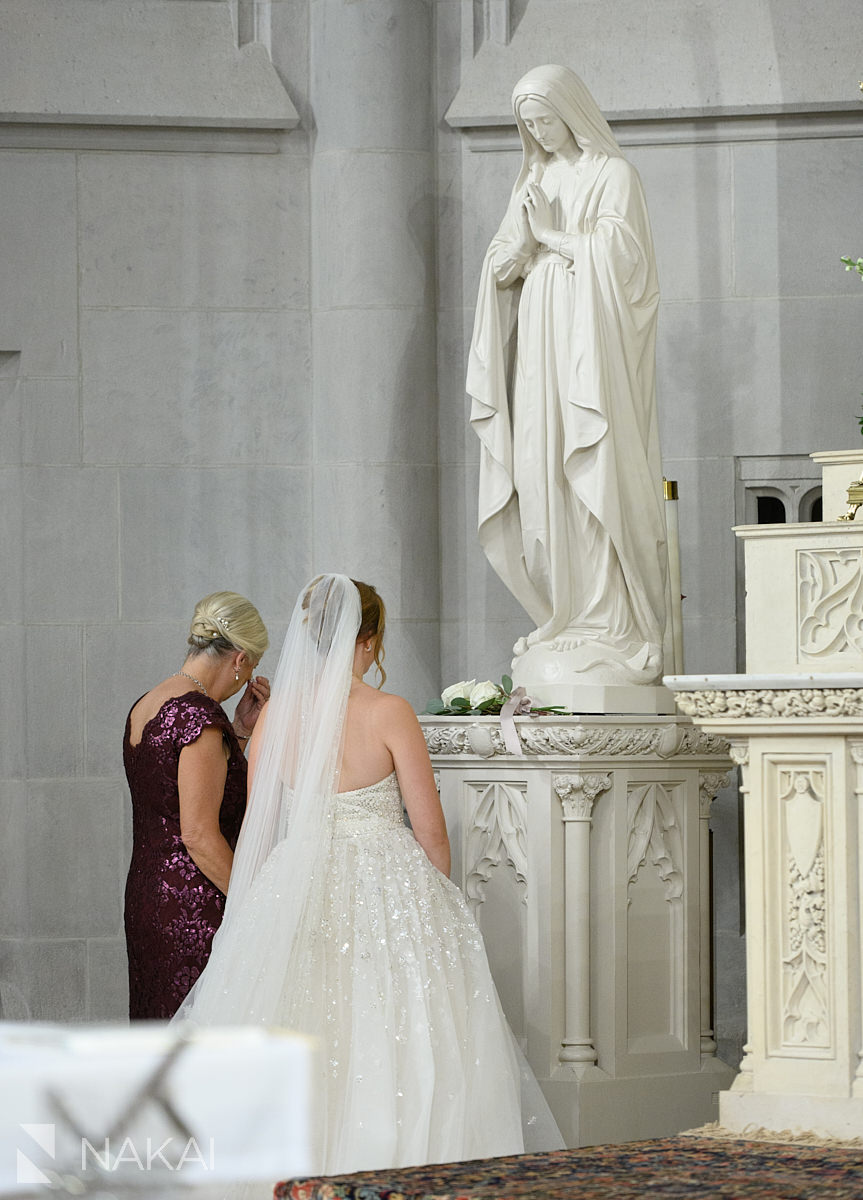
x=201, y=776
x=404, y=739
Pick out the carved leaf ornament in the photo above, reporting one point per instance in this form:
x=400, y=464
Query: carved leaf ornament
x=497, y=834
x=830, y=591
x=653, y=830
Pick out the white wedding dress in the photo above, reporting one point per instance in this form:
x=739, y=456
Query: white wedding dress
x=389, y=973
x=338, y=926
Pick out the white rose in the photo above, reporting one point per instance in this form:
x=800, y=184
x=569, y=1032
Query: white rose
x=457, y=689
x=484, y=691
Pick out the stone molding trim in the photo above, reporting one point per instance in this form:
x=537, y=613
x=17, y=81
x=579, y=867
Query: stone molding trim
x=671, y=79
x=612, y=739
x=780, y=704
x=137, y=64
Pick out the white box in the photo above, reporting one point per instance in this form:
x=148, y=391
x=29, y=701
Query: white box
x=243, y=1097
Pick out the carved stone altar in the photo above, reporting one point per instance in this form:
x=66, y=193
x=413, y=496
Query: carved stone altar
x=798, y=737
x=800, y=745
x=804, y=597
x=586, y=861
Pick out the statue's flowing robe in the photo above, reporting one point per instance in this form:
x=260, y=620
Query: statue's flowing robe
x=562, y=378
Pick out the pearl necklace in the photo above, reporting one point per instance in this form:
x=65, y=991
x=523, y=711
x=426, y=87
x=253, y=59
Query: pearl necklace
x=186, y=675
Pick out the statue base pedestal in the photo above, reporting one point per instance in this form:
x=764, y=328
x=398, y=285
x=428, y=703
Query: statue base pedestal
x=612, y=699
x=574, y=680
x=586, y=861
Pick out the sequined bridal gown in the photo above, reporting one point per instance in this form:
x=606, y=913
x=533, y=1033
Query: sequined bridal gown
x=389, y=972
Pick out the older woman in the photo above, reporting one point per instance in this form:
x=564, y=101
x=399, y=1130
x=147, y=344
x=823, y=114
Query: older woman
x=186, y=769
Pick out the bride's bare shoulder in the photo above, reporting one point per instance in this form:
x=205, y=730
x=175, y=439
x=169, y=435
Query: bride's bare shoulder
x=389, y=707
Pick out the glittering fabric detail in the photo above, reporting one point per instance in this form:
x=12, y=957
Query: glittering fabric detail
x=389, y=973
x=172, y=909
x=367, y=811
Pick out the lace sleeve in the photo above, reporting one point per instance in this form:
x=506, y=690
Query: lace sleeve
x=189, y=716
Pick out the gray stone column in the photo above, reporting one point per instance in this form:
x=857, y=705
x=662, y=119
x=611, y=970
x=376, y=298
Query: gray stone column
x=375, y=511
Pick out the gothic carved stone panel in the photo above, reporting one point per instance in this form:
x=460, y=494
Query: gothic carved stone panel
x=830, y=603
x=655, y=919
x=800, y=790
x=654, y=831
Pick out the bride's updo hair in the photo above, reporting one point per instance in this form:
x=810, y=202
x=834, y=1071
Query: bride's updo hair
x=225, y=622
x=372, y=623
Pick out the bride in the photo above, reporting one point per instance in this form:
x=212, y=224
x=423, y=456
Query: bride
x=341, y=923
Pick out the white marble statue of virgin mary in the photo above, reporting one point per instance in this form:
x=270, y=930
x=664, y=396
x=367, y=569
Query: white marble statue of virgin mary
x=561, y=374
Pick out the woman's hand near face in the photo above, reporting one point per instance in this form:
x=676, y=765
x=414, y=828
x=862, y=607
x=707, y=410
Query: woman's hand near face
x=201, y=775
x=251, y=703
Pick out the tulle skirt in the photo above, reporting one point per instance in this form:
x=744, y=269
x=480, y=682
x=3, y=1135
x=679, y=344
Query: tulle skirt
x=393, y=980
x=388, y=972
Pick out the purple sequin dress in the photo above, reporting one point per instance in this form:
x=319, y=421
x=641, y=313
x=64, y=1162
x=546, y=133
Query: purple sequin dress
x=172, y=908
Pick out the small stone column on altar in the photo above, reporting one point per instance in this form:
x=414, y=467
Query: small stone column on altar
x=577, y=794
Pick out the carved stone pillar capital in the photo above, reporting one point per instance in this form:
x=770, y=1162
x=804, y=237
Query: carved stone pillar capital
x=709, y=783
x=738, y=751
x=577, y=793
x=855, y=749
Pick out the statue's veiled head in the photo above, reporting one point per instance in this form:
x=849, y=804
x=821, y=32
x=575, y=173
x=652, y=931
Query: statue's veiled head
x=564, y=94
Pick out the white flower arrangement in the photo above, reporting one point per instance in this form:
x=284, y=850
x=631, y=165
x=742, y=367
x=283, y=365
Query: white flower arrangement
x=457, y=691
x=471, y=699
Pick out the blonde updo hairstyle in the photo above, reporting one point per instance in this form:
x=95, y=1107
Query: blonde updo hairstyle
x=225, y=622
x=372, y=623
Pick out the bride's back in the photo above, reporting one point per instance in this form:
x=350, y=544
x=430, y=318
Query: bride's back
x=368, y=720
x=382, y=735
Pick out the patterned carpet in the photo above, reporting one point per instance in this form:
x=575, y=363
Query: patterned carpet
x=679, y=1168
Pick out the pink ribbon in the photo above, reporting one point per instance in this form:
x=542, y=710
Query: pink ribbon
x=517, y=705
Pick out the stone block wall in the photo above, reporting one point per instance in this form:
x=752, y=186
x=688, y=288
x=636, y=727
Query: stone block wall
x=191, y=399
x=233, y=353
